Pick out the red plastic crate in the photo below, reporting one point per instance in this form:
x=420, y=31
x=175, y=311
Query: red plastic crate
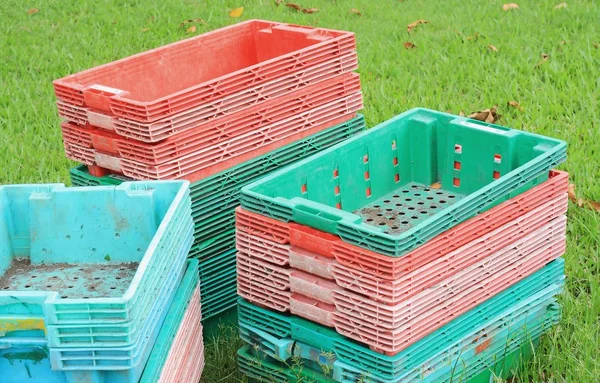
x=389, y=268
x=205, y=113
x=396, y=291
x=216, y=158
x=390, y=329
x=165, y=81
x=254, y=121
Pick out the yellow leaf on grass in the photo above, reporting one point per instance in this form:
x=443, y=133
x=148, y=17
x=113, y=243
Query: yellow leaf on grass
x=33, y=11
x=509, y=6
x=237, y=12
x=145, y=29
x=355, y=11
x=492, y=48
x=561, y=5
x=474, y=37
x=191, y=29
x=188, y=21
x=409, y=45
x=543, y=60
x=435, y=186
x=412, y=26
x=514, y=104
x=277, y=2
x=310, y=10
x=461, y=113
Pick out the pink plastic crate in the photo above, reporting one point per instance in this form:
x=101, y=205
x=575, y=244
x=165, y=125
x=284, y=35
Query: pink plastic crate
x=200, y=116
x=171, y=79
x=252, y=122
x=393, y=292
x=185, y=361
x=209, y=161
x=390, y=329
x=326, y=246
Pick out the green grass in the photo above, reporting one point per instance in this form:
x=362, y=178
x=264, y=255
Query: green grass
x=447, y=71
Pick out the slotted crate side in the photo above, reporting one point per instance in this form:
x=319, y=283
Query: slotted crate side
x=165, y=202
x=477, y=176
x=264, y=51
x=390, y=268
x=495, y=337
x=403, y=323
x=353, y=353
x=175, y=341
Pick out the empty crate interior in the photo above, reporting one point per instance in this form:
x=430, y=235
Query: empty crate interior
x=80, y=242
x=405, y=170
x=166, y=70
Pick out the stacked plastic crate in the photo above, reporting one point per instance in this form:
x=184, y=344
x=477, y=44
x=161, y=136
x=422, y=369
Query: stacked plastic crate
x=426, y=249
x=220, y=110
x=95, y=285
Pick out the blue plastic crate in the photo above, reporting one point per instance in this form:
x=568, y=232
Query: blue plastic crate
x=79, y=259
x=28, y=359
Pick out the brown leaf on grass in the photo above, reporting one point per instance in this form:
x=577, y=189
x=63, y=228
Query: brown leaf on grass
x=237, y=12
x=581, y=202
x=561, y=5
x=295, y=6
x=474, y=37
x=33, y=11
x=435, y=186
x=514, y=104
x=189, y=21
x=355, y=11
x=545, y=58
x=277, y=2
x=114, y=22
x=191, y=29
x=509, y=6
x=409, y=45
x=310, y=10
x=492, y=48
x=412, y=26
x=486, y=115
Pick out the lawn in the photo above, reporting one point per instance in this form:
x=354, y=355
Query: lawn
x=453, y=68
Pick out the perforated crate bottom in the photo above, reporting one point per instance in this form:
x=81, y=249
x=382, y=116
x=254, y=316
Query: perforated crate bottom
x=90, y=280
x=404, y=208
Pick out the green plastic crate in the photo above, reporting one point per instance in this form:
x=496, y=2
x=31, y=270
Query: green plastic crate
x=395, y=186
x=385, y=367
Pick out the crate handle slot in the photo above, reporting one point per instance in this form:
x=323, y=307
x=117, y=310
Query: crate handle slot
x=480, y=125
x=319, y=216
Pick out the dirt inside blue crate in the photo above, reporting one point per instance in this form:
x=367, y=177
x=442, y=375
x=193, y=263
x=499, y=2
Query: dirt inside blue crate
x=404, y=208
x=70, y=280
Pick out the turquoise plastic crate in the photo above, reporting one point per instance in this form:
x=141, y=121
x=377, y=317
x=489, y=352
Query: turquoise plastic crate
x=399, y=184
x=390, y=367
x=28, y=360
x=102, y=248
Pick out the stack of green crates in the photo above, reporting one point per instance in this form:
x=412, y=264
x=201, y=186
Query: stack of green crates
x=213, y=203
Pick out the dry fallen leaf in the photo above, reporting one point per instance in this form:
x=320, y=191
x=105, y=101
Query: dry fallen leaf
x=295, y=6
x=189, y=21
x=237, y=12
x=487, y=115
x=544, y=59
x=475, y=36
x=561, y=5
x=435, y=186
x=592, y=205
x=515, y=104
x=492, y=48
x=509, y=6
x=596, y=45
x=145, y=29
x=310, y=10
x=277, y=2
x=461, y=113
x=114, y=22
x=409, y=45
x=33, y=11
x=355, y=11
x=191, y=29
x=412, y=26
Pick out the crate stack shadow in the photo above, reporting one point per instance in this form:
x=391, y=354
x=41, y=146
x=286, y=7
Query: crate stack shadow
x=219, y=110
x=95, y=285
x=426, y=249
